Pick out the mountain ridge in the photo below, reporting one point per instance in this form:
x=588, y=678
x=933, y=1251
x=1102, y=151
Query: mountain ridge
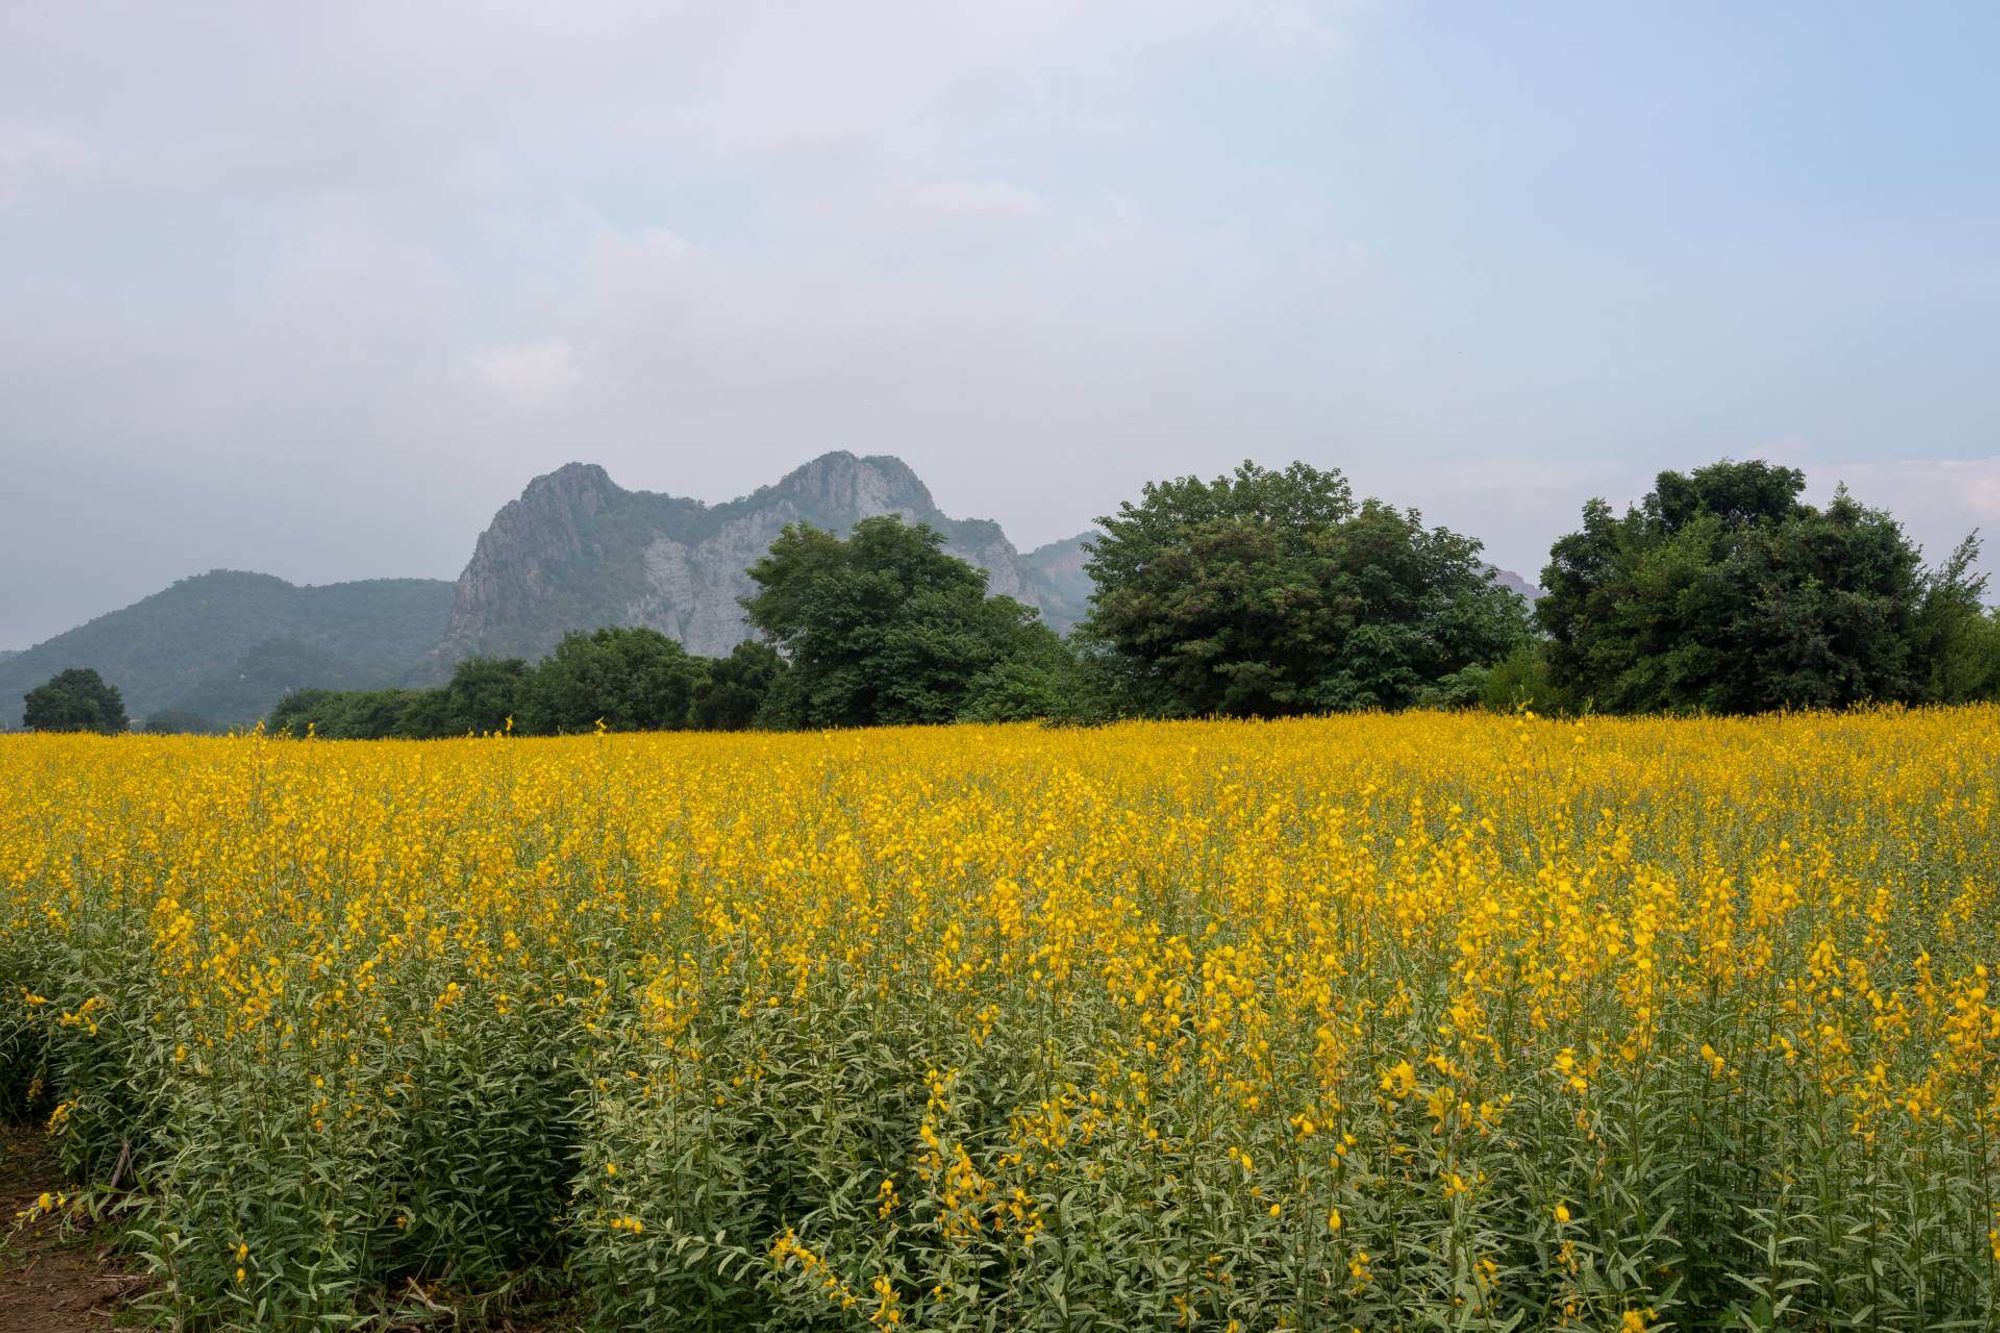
x=216, y=635
x=1515, y=583
x=576, y=551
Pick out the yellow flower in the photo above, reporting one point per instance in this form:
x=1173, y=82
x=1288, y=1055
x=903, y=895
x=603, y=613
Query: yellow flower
x=1152, y=944
x=1400, y=1080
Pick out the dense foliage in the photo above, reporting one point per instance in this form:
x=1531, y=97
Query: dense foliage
x=730, y=691
x=179, y=722
x=1269, y=593
x=1420, y=1021
x=1723, y=591
x=249, y=687
x=74, y=699
x=621, y=679
x=883, y=627
x=614, y=679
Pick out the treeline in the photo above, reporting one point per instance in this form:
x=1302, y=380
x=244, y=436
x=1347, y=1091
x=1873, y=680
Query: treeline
x=618, y=679
x=1722, y=591
x=1267, y=594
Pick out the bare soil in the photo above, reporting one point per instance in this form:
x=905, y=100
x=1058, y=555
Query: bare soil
x=58, y=1279
x=52, y=1280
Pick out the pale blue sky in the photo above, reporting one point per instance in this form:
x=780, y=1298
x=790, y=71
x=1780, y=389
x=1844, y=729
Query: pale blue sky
x=313, y=289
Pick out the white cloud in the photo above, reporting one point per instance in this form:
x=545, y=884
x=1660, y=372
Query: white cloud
x=969, y=199
x=526, y=375
x=32, y=153
x=1938, y=500
x=1284, y=31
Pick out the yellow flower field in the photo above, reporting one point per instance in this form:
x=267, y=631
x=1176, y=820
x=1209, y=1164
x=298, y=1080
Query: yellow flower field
x=1395, y=1022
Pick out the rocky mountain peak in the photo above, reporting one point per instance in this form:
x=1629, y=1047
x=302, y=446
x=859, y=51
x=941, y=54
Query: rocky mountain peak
x=844, y=483
x=570, y=484
x=577, y=551
x=551, y=521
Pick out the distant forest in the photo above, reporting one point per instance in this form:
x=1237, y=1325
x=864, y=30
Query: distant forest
x=1254, y=594
x=225, y=647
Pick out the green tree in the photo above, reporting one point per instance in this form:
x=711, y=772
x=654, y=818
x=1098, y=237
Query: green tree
x=178, y=722
x=1046, y=679
x=482, y=695
x=351, y=715
x=1521, y=680
x=629, y=679
x=1722, y=591
x=1023, y=689
x=299, y=712
x=1267, y=593
x=731, y=690
x=882, y=627
x=76, y=699
x=1959, y=636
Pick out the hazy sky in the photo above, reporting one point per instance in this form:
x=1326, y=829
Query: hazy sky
x=313, y=289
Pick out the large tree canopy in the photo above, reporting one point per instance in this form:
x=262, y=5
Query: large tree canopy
x=1723, y=591
x=629, y=679
x=1267, y=593
x=74, y=700
x=884, y=627
x=483, y=695
x=732, y=689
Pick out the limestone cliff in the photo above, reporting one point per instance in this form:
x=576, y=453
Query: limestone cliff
x=1508, y=579
x=577, y=551
x=1065, y=585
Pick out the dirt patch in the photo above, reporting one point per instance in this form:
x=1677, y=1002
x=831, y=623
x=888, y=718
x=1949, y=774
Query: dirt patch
x=51, y=1280
x=68, y=1280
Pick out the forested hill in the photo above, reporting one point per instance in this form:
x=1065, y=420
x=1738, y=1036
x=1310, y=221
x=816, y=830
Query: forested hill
x=228, y=645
